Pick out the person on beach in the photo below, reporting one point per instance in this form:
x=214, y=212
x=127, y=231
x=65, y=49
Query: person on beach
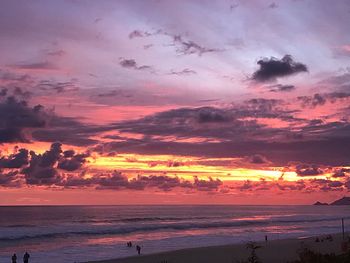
x=26, y=257
x=138, y=248
x=14, y=258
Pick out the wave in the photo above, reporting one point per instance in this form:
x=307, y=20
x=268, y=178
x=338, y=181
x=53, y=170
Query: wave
x=146, y=219
x=303, y=220
x=127, y=229
x=21, y=225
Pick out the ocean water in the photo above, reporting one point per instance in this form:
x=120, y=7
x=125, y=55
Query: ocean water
x=80, y=233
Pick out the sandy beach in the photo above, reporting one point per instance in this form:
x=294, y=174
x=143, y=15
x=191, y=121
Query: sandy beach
x=275, y=251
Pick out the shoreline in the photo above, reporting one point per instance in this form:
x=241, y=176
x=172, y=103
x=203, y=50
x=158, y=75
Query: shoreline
x=274, y=251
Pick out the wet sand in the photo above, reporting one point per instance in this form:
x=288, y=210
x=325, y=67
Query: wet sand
x=275, y=251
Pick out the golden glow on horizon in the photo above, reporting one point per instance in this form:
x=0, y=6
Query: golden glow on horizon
x=187, y=167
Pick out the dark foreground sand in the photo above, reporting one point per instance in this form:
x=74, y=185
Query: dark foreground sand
x=276, y=251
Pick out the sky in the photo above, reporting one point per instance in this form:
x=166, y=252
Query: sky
x=174, y=102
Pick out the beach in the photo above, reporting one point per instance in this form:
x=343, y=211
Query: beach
x=93, y=233
x=275, y=251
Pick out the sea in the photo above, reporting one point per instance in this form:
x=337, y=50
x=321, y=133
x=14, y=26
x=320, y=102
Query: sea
x=58, y=234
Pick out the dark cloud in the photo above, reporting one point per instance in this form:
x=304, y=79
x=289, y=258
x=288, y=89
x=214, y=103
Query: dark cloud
x=116, y=92
x=184, y=72
x=189, y=122
x=69, y=131
x=20, y=93
x=208, y=115
x=41, y=169
x=59, y=87
x=182, y=46
x=72, y=162
x=49, y=158
x=315, y=100
x=263, y=105
x=341, y=172
x=69, y=153
x=193, y=122
x=347, y=184
x=206, y=185
x=128, y=63
x=72, y=136
x=294, y=186
x=175, y=164
x=148, y=46
x=258, y=159
x=16, y=160
x=139, y=33
x=163, y=182
x=335, y=184
x=56, y=53
x=261, y=185
x=272, y=68
x=16, y=117
x=325, y=185
x=8, y=76
x=234, y=6
x=118, y=181
x=50, y=169
x=9, y=179
x=246, y=186
x=273, y=5
x=20, y=122
x=45, y=65
x=188, y=47
x=114, y=180
x=45, y=169
x=321, y=99
x=234, y=132
x=281, y=88
x=131, y=64
x=306, y=186
x=3, y=92
x=338, y=79
x=39, y=174
x=308, y=170
x=301, y=150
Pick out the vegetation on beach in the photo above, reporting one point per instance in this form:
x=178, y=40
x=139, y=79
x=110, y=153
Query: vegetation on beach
x=253, y=257
x=308, y=256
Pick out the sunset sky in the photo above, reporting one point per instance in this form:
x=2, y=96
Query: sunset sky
x=174, y=102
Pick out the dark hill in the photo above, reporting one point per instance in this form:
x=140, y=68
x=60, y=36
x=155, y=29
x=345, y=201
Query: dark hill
x=342, y=201
x=319, y=203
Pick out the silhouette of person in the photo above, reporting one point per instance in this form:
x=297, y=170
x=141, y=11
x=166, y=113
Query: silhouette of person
x=265, y=238
x=26, y=257
x=138, y=248
x=14, y=258
x=130, y=244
